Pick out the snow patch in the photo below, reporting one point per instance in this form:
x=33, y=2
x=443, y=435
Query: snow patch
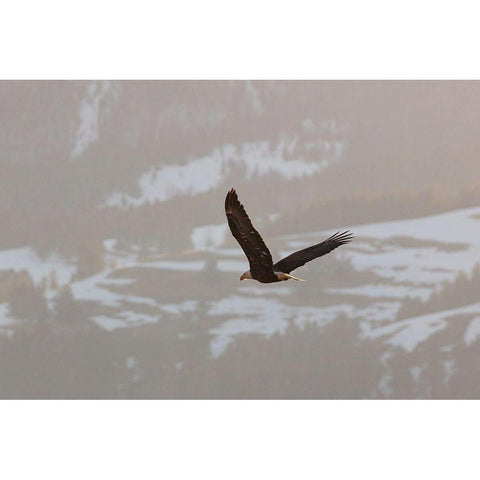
x=254, y=97
x=263, y=316
x=416, y=373
x=449, y=369
x=87, y=131
x=223, y=335
x=472, y=332
x=232, y=265
x=94, y=289
x=208, y=237
x=5, y=319
x=25, y=258
x=383, y=290
x=203, y=174
x=187, y=306
x=194, y=266
x=278, y=289
x=124, y=319
x=409, y=334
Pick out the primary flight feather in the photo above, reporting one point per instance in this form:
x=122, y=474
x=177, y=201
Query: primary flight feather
x=259, y=257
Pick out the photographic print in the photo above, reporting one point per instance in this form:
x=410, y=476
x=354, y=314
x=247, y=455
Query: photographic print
x=236, y=239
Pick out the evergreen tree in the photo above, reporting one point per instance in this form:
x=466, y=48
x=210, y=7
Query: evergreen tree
x=52, y=280
x=66, y=308
x=26, y=301
x=90, y=259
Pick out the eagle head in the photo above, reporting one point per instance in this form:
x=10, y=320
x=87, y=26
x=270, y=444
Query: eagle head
x=246, y=275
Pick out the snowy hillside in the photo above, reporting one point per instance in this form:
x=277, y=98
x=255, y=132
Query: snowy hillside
x=410, y=258
x=203, y=174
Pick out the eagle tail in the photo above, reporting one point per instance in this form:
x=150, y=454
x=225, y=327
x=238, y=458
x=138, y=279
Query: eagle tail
x=295, y=278
x=286, y=276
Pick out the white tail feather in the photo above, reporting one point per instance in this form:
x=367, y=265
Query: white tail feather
x=297, y=279
x=287, y=276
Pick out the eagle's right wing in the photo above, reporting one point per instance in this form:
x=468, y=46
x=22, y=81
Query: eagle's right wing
x=252, y=244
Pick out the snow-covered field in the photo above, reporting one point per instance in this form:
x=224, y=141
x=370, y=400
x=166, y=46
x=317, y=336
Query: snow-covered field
x=413, y=257
x=455, y=246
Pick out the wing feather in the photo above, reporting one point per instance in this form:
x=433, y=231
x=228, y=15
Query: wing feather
x=297, y=259
x=242, y=229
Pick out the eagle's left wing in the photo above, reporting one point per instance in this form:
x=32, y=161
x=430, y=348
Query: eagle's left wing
x=297, y=259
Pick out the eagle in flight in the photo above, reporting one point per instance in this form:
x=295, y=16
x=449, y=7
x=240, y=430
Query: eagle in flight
x=262, y=267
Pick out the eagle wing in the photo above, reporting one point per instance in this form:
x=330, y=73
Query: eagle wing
x=252, y=244
x=297, y=259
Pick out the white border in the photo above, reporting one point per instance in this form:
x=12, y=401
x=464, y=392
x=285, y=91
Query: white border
x=239, y=439
x=250, y=39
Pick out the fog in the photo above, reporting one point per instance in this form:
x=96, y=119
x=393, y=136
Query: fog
x=119, y=277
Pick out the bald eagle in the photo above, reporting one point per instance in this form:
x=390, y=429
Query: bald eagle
x=260, y=258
